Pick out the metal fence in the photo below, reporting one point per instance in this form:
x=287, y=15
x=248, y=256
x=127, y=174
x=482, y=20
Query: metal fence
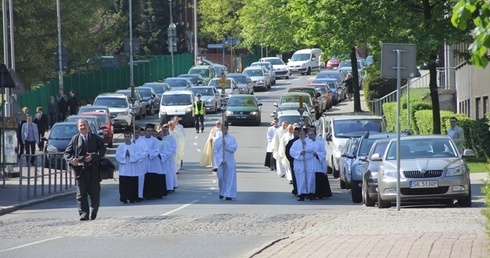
x=47, y=174
x=89, y=84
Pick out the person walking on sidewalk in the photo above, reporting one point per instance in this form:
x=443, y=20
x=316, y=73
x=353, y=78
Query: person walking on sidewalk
x=199, y=113
x=62, y=101
x=73, y=103
x=349, y=84
x=52, y=111
x=83, y=154
x=41, y=120
x=30, y=138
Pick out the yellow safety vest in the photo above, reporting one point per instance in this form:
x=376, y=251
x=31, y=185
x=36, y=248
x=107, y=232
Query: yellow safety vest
x=196, y=110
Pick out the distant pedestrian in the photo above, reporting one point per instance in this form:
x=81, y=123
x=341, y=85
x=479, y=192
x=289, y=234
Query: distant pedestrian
x=199, y=113
x=457, y=134
x=30, y=137
x=41, y=120
x=73, y=103
x=83, y=154
x=224, y=150
x=62, y=101
x=349, y=84
x=20, y=146
x=52, y=111
x=269, y=159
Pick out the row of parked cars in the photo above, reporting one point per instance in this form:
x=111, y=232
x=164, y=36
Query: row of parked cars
x=364, y=158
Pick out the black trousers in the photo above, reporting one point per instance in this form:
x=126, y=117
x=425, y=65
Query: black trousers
x=41, y=142
x=53, y=118
x=30, y=148
x=88, y=185
x=197, y=119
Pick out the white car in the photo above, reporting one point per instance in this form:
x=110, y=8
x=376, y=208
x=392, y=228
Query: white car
x=119, y=106
x=281, y=69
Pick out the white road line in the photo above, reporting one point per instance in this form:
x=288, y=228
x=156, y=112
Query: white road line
x=180, y=208
x=33, y=243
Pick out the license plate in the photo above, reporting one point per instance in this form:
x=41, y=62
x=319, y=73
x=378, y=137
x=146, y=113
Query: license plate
x=424, y=184
x=241, y=117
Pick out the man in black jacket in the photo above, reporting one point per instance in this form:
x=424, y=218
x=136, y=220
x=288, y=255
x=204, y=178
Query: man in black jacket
x=42, y=122
x=290, y=158
x=84, y=153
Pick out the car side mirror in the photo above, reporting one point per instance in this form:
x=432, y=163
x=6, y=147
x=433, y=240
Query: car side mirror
x=273, y=115
x=363, y=158
x=329, y=137
x=275, y=105
x=103, y=127
x=343, y=155
x=260, y=104
x=350, y=156
x=376, y=157
x=468, y=153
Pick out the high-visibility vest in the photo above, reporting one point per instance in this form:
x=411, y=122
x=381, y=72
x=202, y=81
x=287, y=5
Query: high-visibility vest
x=196, y=110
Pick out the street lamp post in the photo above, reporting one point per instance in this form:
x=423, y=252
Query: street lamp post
x=172, y=34
x=195, y=31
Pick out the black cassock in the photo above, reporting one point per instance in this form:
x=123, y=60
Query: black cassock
x=291, y=164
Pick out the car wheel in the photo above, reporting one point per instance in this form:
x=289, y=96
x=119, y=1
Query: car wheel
x=383, y=204
x=308, y=72
x=356, y=191
x=111, y=143
x=365, y=196
x=466, y=201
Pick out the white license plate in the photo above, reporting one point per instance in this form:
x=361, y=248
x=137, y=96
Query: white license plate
x=424, y=184
x=241, y=117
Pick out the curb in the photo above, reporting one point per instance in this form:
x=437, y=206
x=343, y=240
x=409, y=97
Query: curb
x=12, y=208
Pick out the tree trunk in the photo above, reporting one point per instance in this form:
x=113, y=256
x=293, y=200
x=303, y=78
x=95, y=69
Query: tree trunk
x=434, y=94
x=355, y=77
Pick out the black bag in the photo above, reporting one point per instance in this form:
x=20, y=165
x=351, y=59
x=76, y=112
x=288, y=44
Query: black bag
x=106, y=169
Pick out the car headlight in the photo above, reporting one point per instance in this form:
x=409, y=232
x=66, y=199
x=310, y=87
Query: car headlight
x=189, y=109
x=229, y=113
x=254, y=113
x=260, y=81
x=209, y=101
x=456, y=171
x=51, y=149
x=125, y=113
x=388, y=174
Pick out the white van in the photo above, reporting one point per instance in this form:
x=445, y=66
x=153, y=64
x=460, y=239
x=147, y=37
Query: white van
x=305, y=61
x=177, y=103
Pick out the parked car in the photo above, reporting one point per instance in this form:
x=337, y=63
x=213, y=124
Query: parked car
x=337, y=129
x=280, y=68
x=326, y=94
x=370, y=172
x=268, y=68
x=92, y=108
x=431, y=169
x=219, y=69
x=211, y=97
x=243, y=81
x=319, y=103
x=57, y=140
x=259, y=77
x=353, y=161
x=90, y=119
x=195, y=78
x=333, y=63
x=345, y=67
x=178, y=83
x=158, y=87
x=206, y=71
x=296, y=98
x=177, y=103
x=119, y=105
x=338, y=92
x=231, y=88
x=293, y=116
x=305, y=61
x=243, y=108
x=139, y=104
x=106, y=121
x=151, y=99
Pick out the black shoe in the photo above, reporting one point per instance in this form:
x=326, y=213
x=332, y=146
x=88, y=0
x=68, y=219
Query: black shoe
x=83, y=218
x=202, y=130
x=123, y=200
x=228, y=198
x=214, y=170
x=197, y=131
x=290, y=182
x=93, y=216
x=301, y=199
x=221, y=197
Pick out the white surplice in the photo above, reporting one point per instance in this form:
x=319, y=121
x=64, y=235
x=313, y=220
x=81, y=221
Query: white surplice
x=168, y=148
x=226, y=170
x=304, y=166
x=179, y=154
x=128, y=166
x=276, y=140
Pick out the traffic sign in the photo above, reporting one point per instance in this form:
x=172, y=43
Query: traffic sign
x=408, y=53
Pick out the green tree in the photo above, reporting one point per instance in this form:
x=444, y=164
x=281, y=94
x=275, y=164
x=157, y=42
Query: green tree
x=219, y=19
x=473, y=16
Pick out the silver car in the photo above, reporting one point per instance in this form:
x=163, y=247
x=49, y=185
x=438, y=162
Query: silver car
x=431, y=169
x=211, y=97
x=243, y=81
x=260, y=78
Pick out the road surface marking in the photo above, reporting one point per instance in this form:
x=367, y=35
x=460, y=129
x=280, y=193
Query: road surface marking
x=180, y=208
x=33, y=243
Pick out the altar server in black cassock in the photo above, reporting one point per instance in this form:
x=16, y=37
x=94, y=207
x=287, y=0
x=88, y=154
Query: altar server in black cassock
x=128, y=156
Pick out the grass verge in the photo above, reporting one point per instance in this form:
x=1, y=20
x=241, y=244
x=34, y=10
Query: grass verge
x=477, y=165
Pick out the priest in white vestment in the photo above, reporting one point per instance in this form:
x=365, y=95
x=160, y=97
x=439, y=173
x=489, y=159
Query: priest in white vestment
x=304, y=166
x=224, y=150
x=276, y=140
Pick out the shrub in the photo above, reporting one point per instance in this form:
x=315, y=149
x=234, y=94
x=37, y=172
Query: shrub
x=376, y=87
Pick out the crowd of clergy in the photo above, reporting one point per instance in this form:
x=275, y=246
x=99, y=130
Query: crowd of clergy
x=149, y=161
x=298, y=154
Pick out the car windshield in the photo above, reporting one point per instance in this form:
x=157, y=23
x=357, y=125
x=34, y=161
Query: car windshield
x=266, y=66
x=111, y=102
x=344, y=127
x=294, y=99
x=102, y=117
x=176, y=82
x=90, y=109
x=380, y=147
x=331, y=84
x=275, y=61
x=335, y=75
x=422, y=149
x=158, y=88
x=193, y=79
x=300, y=57
x=63, y=132
x=204, y=72
x=305, y=90
x=323, y=90
x=239, y=79
x=246, y=102
x=176, y=100
x=254, y=72
x=216, y=84
x=202, y=91
x=366, y=145
x=145, y=92
x=292, y=119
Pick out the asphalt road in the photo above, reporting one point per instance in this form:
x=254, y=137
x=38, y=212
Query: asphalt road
x=192, y=222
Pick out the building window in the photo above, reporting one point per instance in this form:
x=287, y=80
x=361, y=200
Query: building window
x=485, y=105
x=477, y=108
